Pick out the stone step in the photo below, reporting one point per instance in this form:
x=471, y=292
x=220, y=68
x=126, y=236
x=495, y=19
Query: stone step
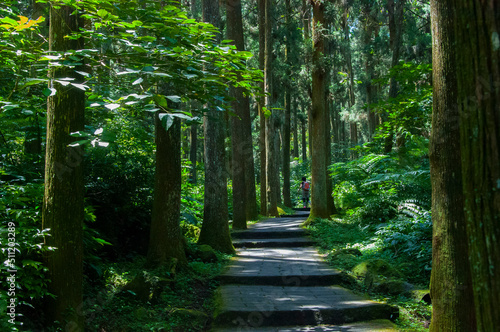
x=276, y=228
x=302, y=209
x=379, y=325
x=297, y=280
x=242, y=306
x=274, y=243
x=297, y=266
x=271, y=234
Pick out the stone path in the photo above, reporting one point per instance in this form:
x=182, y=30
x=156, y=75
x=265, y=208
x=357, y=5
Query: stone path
x=278, y=282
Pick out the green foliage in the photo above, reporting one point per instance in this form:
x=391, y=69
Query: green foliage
x=340, y=236
x=391, y=201
x=22, y=249
x=189, y=289
x=410, y=112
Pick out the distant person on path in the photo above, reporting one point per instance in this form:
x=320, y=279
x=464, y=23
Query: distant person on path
x=305, y=186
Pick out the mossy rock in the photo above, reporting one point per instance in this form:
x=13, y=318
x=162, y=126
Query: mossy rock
x=204, y=253
x=146, y=287
x=347, y=279
x=391, y=286
x=376, y=267
x=343, y=257
x=348, y=251
x=376, y=272
x=420, y=295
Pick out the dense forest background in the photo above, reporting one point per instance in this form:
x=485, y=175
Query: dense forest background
x=135, y=134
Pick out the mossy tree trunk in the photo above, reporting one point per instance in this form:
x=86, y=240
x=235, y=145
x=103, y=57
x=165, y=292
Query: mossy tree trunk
x=451, y=286
x=271, y=165
x=303, y=121
x=241, y=109
x=63, y=206
x=286, y=125
x=295, y=131
x=215, y=229
x=477, y=26
x=396, y=19
x=165, y=238
x=193, y=149
x=262, y=104
x=319, y=202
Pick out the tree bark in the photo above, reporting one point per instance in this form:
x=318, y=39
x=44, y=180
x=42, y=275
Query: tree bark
x=63, y=206
x=193, y=176
x=304, y=139
x=395, y=29
x=319, y=205
x=165, y=237
x=478, y=74
x=354, y=138
x=286, y=125
x=262, y=104
x=295, y=132
x=215, y=228
x=239, y=143
x=272, y=194
x=369, y=29
x=451, y=285
x=306, y=19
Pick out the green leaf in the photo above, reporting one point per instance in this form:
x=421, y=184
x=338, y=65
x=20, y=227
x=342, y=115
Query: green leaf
x=160, y=101
x=137, y=81
x=79, y=134
x=167, y=120
x=49, y=92
x=112, y=106
x=31, y=81
x=80, y=86
x=79, y=143
x=175, y=99
x=102, y=13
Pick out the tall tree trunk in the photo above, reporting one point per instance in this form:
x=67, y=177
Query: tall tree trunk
x=395, y=28
x=451, y=285
x=193, y=176
x=63, y=207
x=304, y=139
x=165, y=238
x=328, y=135
x=295, y=132
x=319, y=206
x=478, y=74
x=286, y=125
x=306, y=19
x=235, y=32
x=368, y=31
x=241, y=143
x=215, y=228
x=262, y=104
x=272, y=195
x=354, y=138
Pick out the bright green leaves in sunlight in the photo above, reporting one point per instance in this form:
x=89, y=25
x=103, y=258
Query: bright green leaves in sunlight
x=21, y=24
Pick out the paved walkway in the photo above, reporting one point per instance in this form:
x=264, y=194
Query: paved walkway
x=278, y=282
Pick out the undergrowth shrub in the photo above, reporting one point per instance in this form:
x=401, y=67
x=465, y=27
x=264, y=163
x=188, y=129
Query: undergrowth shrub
x=391, y=201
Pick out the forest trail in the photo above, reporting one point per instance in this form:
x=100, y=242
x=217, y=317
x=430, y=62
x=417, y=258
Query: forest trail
x=279, y=282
